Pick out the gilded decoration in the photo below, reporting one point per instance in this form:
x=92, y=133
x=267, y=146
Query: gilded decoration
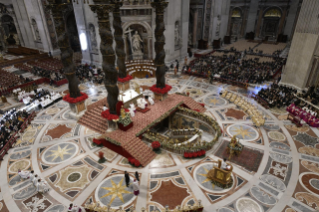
x=236, y=13
x=309, y=198
x=274, y=13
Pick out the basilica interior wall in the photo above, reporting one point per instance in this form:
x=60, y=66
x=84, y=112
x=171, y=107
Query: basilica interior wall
x=176, y=33
x=299, y=61
x=32, y=24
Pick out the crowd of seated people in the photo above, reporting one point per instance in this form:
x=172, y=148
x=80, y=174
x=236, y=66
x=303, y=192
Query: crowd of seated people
x=42, y=98
x=9, y=80
x=306, y=112
x=90, y=73
x=312, y=95
x=53, y=75
x=231, y=67
x=261, y=52
x=278, y=95
x=10, y=123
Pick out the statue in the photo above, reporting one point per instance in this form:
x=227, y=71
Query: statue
x=132, y=109
x=93, y=37
x=36, y=30
x=136, y=42
x=123, y=112
x=177, y=35
x=218, y=25
x=190, y=39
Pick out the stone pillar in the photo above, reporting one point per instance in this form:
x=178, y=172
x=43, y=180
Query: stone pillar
x=252, y=14
x=159, y=62
x=244, y=22
x=150, y=51
x=64, y=44
x=259, y=22
x=18, y=28
x=229, y=21
x=303, y=46
x=282, y=21
x=118, y=35
x=291, y=17
x=195, y=28
x=108, y=54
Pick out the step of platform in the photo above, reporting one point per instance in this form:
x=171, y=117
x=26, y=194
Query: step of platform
x=93, y=120
x=140, y=151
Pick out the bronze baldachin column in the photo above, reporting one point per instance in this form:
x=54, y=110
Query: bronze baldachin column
x=159, y=62
x=118, y=35
x=111, y=75
x=57, y=8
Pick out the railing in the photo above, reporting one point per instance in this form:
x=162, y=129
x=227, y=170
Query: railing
x=136, y=2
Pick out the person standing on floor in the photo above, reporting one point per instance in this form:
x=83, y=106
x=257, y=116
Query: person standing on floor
x=137, y=176
x=127, y=178
x=136, y=188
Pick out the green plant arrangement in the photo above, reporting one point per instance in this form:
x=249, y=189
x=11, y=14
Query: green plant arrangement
x=102, y=159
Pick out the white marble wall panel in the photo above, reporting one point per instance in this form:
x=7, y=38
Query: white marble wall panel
x=81, y=15
x=220, y=8
x=24, y=24
x=299, y=60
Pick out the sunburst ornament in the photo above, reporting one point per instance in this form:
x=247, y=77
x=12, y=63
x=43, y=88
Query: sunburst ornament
x=60, y=152
x=243, y=132
x=213, y=101
x=116, y=191
x=205, y=175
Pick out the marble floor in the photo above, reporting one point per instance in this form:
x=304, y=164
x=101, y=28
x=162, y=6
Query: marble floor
x=279, y=170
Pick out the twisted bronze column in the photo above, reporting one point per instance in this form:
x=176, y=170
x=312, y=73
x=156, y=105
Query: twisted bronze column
x=118, y=35
x=159, y=61
x=57, y=8
x=110, y=80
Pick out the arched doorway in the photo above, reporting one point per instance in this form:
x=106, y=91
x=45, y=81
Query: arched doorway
x=73, y=32
x=270, y=25
x=137, y=39
x=9, y=29
x=236, y=22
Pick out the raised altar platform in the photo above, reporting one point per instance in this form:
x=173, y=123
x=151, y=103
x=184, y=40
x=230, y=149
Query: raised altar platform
x=129, y=140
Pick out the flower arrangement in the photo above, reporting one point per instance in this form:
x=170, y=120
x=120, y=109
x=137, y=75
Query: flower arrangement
x=164, y=90
x=71, y=100
x=125, y=79
x=202, y=104
x=156, y=145
x=134, y=162
x=101, y=157
x=197, y=154
x=107, y=115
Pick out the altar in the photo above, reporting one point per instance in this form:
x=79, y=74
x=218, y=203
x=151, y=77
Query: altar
x=130, y=96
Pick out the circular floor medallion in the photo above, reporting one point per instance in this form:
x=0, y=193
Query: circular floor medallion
x=200, y=175
x=74, y=177
x=214, y=101
x=245, y=204
x=243, y=132
x=113, y=191
x=21, y=164
x=277, y=136
x=59, y=153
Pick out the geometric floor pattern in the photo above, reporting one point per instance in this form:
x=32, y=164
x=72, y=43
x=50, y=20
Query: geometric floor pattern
x=286, y=177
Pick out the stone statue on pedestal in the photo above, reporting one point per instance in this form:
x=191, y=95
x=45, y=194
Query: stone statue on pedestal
x=137, y=46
